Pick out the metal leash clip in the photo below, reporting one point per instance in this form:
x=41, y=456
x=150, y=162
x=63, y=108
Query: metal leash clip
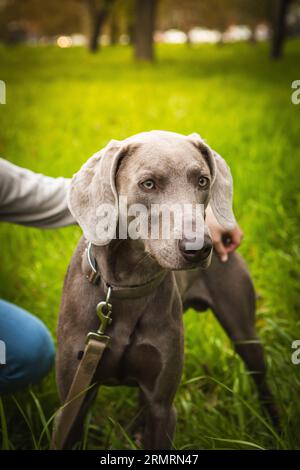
x=104, y=311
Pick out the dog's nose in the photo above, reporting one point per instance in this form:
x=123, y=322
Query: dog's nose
x=195, y=254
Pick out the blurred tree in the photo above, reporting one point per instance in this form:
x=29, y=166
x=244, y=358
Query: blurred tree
x=98, y=11
x=212, y=14
x=254, y=12
x=137, y=19
x=121, y=20
x=114, y=28
x=218, y=14
x=29, y=19
x=130, y=19
x=112, y=16
x=279, y=28
x=179, y=15
x=145, y=15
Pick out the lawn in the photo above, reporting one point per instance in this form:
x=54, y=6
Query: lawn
x=62, y=106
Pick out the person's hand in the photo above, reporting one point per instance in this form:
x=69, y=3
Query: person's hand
x=224, y=241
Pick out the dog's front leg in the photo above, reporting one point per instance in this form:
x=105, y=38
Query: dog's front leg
x=160, y=426
x=160, y=413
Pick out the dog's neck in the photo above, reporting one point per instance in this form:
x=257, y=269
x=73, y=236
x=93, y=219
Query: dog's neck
x=125, y=262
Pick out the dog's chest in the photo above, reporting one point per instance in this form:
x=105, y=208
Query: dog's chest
x=129, y=357
x=135, y=352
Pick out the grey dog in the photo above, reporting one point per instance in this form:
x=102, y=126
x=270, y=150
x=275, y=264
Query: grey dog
x=147, y=346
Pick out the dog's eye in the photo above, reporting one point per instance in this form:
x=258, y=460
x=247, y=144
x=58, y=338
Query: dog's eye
x=203, y=182
x=148, y=184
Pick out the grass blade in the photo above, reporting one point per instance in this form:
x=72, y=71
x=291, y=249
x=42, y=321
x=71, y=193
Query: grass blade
x=5, y=440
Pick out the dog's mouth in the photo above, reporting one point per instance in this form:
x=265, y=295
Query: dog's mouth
x=192, y=263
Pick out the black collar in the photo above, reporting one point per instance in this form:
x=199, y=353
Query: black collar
x=93, y=274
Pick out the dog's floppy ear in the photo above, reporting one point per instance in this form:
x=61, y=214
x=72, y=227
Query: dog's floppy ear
x=222, y=186
x=92, y=194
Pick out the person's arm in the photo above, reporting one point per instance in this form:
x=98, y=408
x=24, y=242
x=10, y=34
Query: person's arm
x=33, y=199
x=224, y=241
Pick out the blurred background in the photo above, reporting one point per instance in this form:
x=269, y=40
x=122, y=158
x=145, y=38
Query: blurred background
x=80, y=72
x=102, y=22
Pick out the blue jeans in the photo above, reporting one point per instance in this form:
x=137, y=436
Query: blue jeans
x=27, y=345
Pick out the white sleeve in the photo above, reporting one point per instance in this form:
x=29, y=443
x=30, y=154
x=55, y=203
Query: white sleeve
x=33, y=199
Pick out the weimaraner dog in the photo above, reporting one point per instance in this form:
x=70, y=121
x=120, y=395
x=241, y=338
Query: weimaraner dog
x=158, y=278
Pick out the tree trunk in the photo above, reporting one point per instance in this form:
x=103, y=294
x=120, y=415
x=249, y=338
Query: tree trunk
x=279, y=28
x=222, y=27
x=221, y=41
x=114, y=30
x=252, y=38
x=144, y=29
x=188, y=38
x=97, y=23
x=131, y=32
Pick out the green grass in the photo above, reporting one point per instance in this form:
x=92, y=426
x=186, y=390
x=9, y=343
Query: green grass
x=62, y=106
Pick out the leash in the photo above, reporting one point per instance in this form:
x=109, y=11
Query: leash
x=96, y=343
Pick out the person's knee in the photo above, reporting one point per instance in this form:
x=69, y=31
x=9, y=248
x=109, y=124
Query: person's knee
x=29, y=357
x=39, y=357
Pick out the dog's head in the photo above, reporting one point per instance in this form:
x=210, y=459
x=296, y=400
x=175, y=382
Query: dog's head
x=136, y=181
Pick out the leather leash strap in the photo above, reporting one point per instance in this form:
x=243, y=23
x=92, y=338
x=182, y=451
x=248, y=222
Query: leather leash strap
x=82, y=382
x=96, y=343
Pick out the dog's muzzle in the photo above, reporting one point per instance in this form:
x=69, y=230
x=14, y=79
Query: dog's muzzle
x=196, y=255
